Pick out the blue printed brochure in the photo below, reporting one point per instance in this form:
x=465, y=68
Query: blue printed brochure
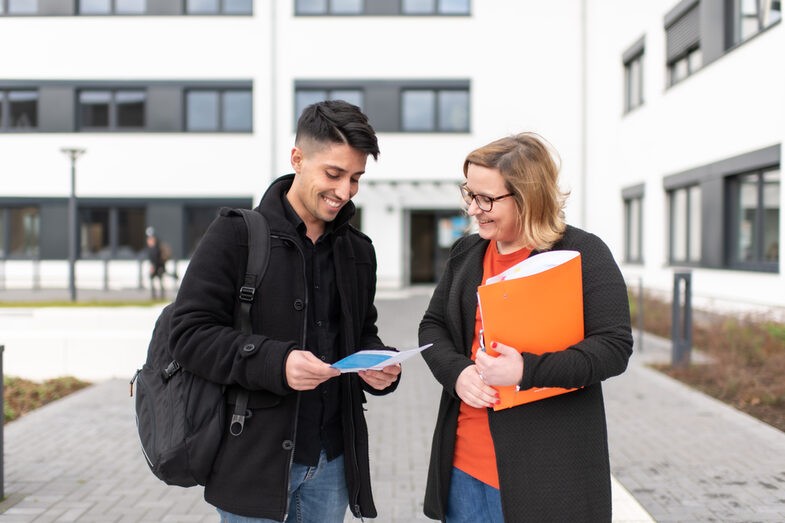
x=374, y=359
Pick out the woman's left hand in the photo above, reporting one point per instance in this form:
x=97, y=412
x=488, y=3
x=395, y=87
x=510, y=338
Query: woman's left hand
x=502, y=370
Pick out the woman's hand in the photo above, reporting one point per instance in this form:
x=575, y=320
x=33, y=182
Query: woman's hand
x=504, y=369
x=471, y=389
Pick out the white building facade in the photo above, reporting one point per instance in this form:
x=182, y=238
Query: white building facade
x=686, y=121
x=184, y=106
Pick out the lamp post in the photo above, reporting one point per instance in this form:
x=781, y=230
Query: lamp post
x=72, y=153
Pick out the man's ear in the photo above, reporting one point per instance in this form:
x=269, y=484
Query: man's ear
x=296, y=159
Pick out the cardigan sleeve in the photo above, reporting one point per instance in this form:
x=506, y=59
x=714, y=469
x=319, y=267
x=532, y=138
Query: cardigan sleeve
x=607, y=343
x=446, y=358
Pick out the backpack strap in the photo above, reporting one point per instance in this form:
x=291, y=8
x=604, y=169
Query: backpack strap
x=258, y=256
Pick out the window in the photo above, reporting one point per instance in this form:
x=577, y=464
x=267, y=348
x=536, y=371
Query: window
x=131, y=223
x=382, y=7
x=685, y=225
x=753, y=16
x=429, y=7
x=117, y=232
x=633, y=229
x=305, y=97
x=430, y=110
x=23, y=231
x=119, y=109
x=334, y=7
x=22, y=7
x=105, y=7
x=212, y=110
x=633, y=83
x=94, y=232
x=197, y=220
x=212, y=7
x=633, y=75
x=18, y=109
x=755, y=218
x=684, y=55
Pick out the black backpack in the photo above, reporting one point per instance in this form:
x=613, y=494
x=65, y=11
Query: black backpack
x=180, y=416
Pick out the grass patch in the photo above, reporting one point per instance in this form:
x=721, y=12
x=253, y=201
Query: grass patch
x=21, y=395
x=747, y=353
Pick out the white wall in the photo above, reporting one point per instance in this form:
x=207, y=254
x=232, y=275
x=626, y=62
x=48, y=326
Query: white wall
x=731, y=106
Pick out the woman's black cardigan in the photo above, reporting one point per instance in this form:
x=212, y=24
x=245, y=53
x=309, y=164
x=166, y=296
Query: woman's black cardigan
x=552, y=454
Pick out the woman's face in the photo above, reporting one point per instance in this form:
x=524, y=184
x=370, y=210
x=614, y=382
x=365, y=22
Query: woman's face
x=499, y=223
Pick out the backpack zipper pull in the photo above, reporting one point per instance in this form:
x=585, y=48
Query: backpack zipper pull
x=132, y=382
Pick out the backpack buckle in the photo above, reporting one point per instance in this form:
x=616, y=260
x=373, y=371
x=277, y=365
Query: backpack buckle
x=170, y=370
x=247, y=293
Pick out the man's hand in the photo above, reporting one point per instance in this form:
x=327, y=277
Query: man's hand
x=504, y=369
x=381, y=379
x=473, y=391
x=304, y=371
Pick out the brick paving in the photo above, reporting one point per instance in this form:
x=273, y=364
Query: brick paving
x=684, y=456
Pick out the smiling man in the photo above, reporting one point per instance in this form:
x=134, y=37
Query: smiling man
x=303, y=453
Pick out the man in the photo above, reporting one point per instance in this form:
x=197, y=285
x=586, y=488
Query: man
x=303, y=453
x=157, y=262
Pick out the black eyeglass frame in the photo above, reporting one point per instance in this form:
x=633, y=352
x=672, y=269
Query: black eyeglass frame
x=468, y=196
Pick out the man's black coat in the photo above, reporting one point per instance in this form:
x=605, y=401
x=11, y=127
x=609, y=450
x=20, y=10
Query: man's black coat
x=251, y=472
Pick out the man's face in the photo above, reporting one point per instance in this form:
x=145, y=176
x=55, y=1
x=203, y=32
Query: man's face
x=326, y=178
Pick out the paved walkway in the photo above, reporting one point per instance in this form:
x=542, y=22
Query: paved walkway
x=682, y=455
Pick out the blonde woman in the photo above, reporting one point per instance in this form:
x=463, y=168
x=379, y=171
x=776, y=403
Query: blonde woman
x=541, y=461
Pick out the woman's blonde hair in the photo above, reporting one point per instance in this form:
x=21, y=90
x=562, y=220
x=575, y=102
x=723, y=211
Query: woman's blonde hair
x=530, y=168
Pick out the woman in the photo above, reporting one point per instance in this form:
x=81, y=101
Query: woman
x=541, y=461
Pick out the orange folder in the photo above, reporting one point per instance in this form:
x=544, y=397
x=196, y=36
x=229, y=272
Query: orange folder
x=535, y=306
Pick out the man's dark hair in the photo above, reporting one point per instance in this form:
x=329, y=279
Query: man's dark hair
x=336, y=121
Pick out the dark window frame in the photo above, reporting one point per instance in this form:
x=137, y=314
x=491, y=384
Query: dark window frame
x=683, y=40
x=732, y=186
x=6, y=4
x=112, y=10
x=329, y=10
x=329, y=91
x=436, y=128
x=389, y=8
x=735, y=21
x=221, y=124
x=6, y=236
x=632, y=56
x=632, y=197
x=221, y=11
x=75, y=10
x=5, y=110
x=112, y=248
x=113, y=109
x=689, y=257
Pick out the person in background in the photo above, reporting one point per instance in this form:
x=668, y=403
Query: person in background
x=546, y=460
x=303, y=453
x=157, y=263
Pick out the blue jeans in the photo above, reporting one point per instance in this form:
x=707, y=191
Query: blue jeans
x=316, y=494
x=470, y=500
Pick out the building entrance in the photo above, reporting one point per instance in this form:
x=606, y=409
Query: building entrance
x=432, y=233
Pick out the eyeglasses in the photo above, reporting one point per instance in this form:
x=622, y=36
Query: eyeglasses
x=485, y=203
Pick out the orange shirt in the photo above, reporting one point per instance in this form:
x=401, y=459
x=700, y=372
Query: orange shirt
x=474, y=452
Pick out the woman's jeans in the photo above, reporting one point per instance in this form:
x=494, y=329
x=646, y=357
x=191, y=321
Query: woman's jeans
x=471, y=500
x=316, y=494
